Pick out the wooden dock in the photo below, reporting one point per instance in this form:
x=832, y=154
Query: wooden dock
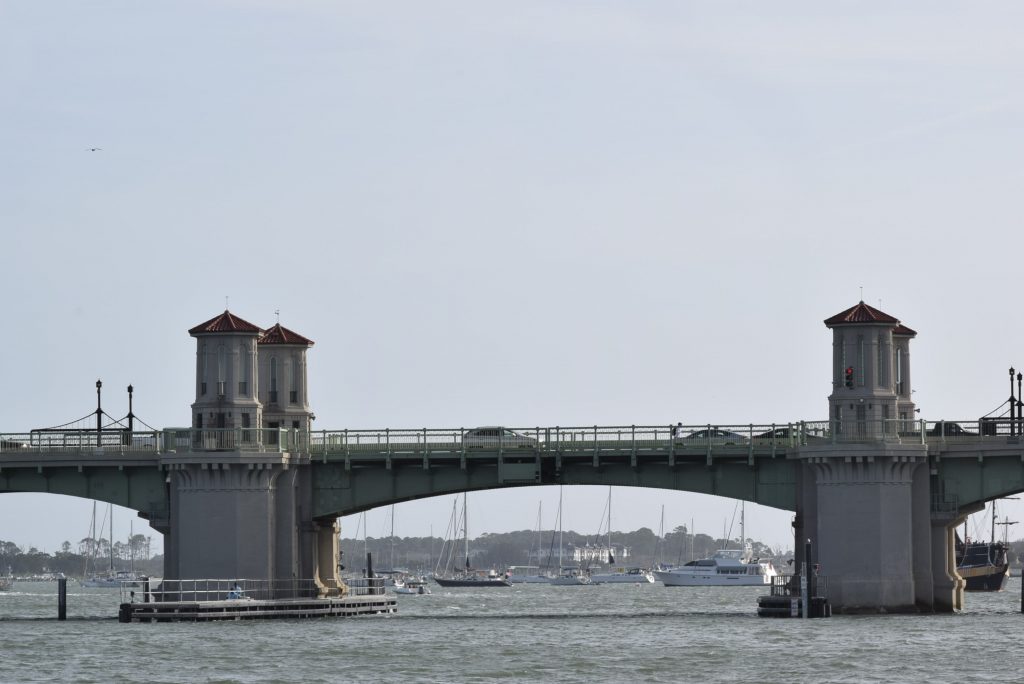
x=256, y=609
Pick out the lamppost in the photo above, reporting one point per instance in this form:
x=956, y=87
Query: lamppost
x=1020, y=404
x=1013, y=406
x=99, y=416
x=131, y=416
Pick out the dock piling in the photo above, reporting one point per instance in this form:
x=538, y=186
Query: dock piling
x=62, y=598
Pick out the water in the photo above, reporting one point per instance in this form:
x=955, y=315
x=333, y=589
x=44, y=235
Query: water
x=527, y=633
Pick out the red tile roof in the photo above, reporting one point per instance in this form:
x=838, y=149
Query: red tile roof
x=282, y=335
x=227, y=322
x=904, y=330
x=861, y=313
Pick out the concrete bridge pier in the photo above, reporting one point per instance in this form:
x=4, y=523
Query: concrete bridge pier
x=870, y=505
x=242, y=515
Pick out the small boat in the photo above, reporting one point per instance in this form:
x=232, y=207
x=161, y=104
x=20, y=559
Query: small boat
x=571, y=576
x=413, y=585
x=623, y=576
x=526, y=574
x=7, y=581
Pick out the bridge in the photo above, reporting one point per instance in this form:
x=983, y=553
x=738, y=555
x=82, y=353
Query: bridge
x=356, y=470
x=250, y=490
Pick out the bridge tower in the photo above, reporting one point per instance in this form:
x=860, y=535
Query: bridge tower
x=226, y=377
x=870, y=372
x=240, y=498
x=866, y=494
x=282, y=365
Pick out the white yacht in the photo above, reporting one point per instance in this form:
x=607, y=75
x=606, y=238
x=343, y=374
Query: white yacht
x=623, y=576
x=728, y=567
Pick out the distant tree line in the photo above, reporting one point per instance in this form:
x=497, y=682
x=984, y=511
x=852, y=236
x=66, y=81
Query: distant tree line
x=526, y=547
x=88, y=556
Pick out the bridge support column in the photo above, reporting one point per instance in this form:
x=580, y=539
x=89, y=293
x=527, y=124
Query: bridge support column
x=870, y=518
x=327, y=576
x=948, y=587
x=240, y=515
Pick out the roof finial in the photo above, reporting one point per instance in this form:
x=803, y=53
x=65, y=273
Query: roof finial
x=277, y=312
x=862, y=293
x=226, y=307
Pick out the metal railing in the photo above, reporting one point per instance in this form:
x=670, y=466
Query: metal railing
x=365, y=586
x=158, y=590
x=620, y=438
x=789, y=585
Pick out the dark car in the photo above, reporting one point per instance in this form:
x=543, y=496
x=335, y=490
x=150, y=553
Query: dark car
x=944, y=429
x=786, y=434
x=715, y=436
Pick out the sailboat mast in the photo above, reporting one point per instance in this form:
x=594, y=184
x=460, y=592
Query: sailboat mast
x=392, y=537
x=465, y=528
x=540, y=505
x=743, y=532
x=111, y=511
x=611, y=556
x=992, y=538
x=559, y=528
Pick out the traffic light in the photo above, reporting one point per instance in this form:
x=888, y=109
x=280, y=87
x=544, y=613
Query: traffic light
x=849, y=377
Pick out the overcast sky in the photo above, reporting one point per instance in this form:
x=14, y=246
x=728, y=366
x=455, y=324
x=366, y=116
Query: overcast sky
x=528, y=213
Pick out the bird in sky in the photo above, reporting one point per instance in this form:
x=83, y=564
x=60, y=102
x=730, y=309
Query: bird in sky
x=95, y=149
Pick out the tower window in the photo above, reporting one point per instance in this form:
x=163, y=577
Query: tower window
x=273, y=379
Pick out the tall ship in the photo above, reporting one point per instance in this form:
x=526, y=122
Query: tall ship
x=983, y=565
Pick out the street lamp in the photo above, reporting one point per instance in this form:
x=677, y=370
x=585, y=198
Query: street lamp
x=1013, y=405
x=99, y=415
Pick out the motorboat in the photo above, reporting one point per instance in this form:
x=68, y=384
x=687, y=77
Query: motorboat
x=623, y=576
x=726, y=568
x=413, y=585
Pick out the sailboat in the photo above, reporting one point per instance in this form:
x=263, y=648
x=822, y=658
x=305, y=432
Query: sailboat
x=568, y=576
x=530, y=574
x=619, y=575
x=114, y=579
x=983, y=565
x=470, y=577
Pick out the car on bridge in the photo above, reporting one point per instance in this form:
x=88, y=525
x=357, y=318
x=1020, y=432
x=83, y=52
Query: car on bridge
x=944, y=429
x=785, y=434
x=493, y=436
x=714, y=436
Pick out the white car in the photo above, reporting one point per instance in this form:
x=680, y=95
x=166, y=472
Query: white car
x=494, y=436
